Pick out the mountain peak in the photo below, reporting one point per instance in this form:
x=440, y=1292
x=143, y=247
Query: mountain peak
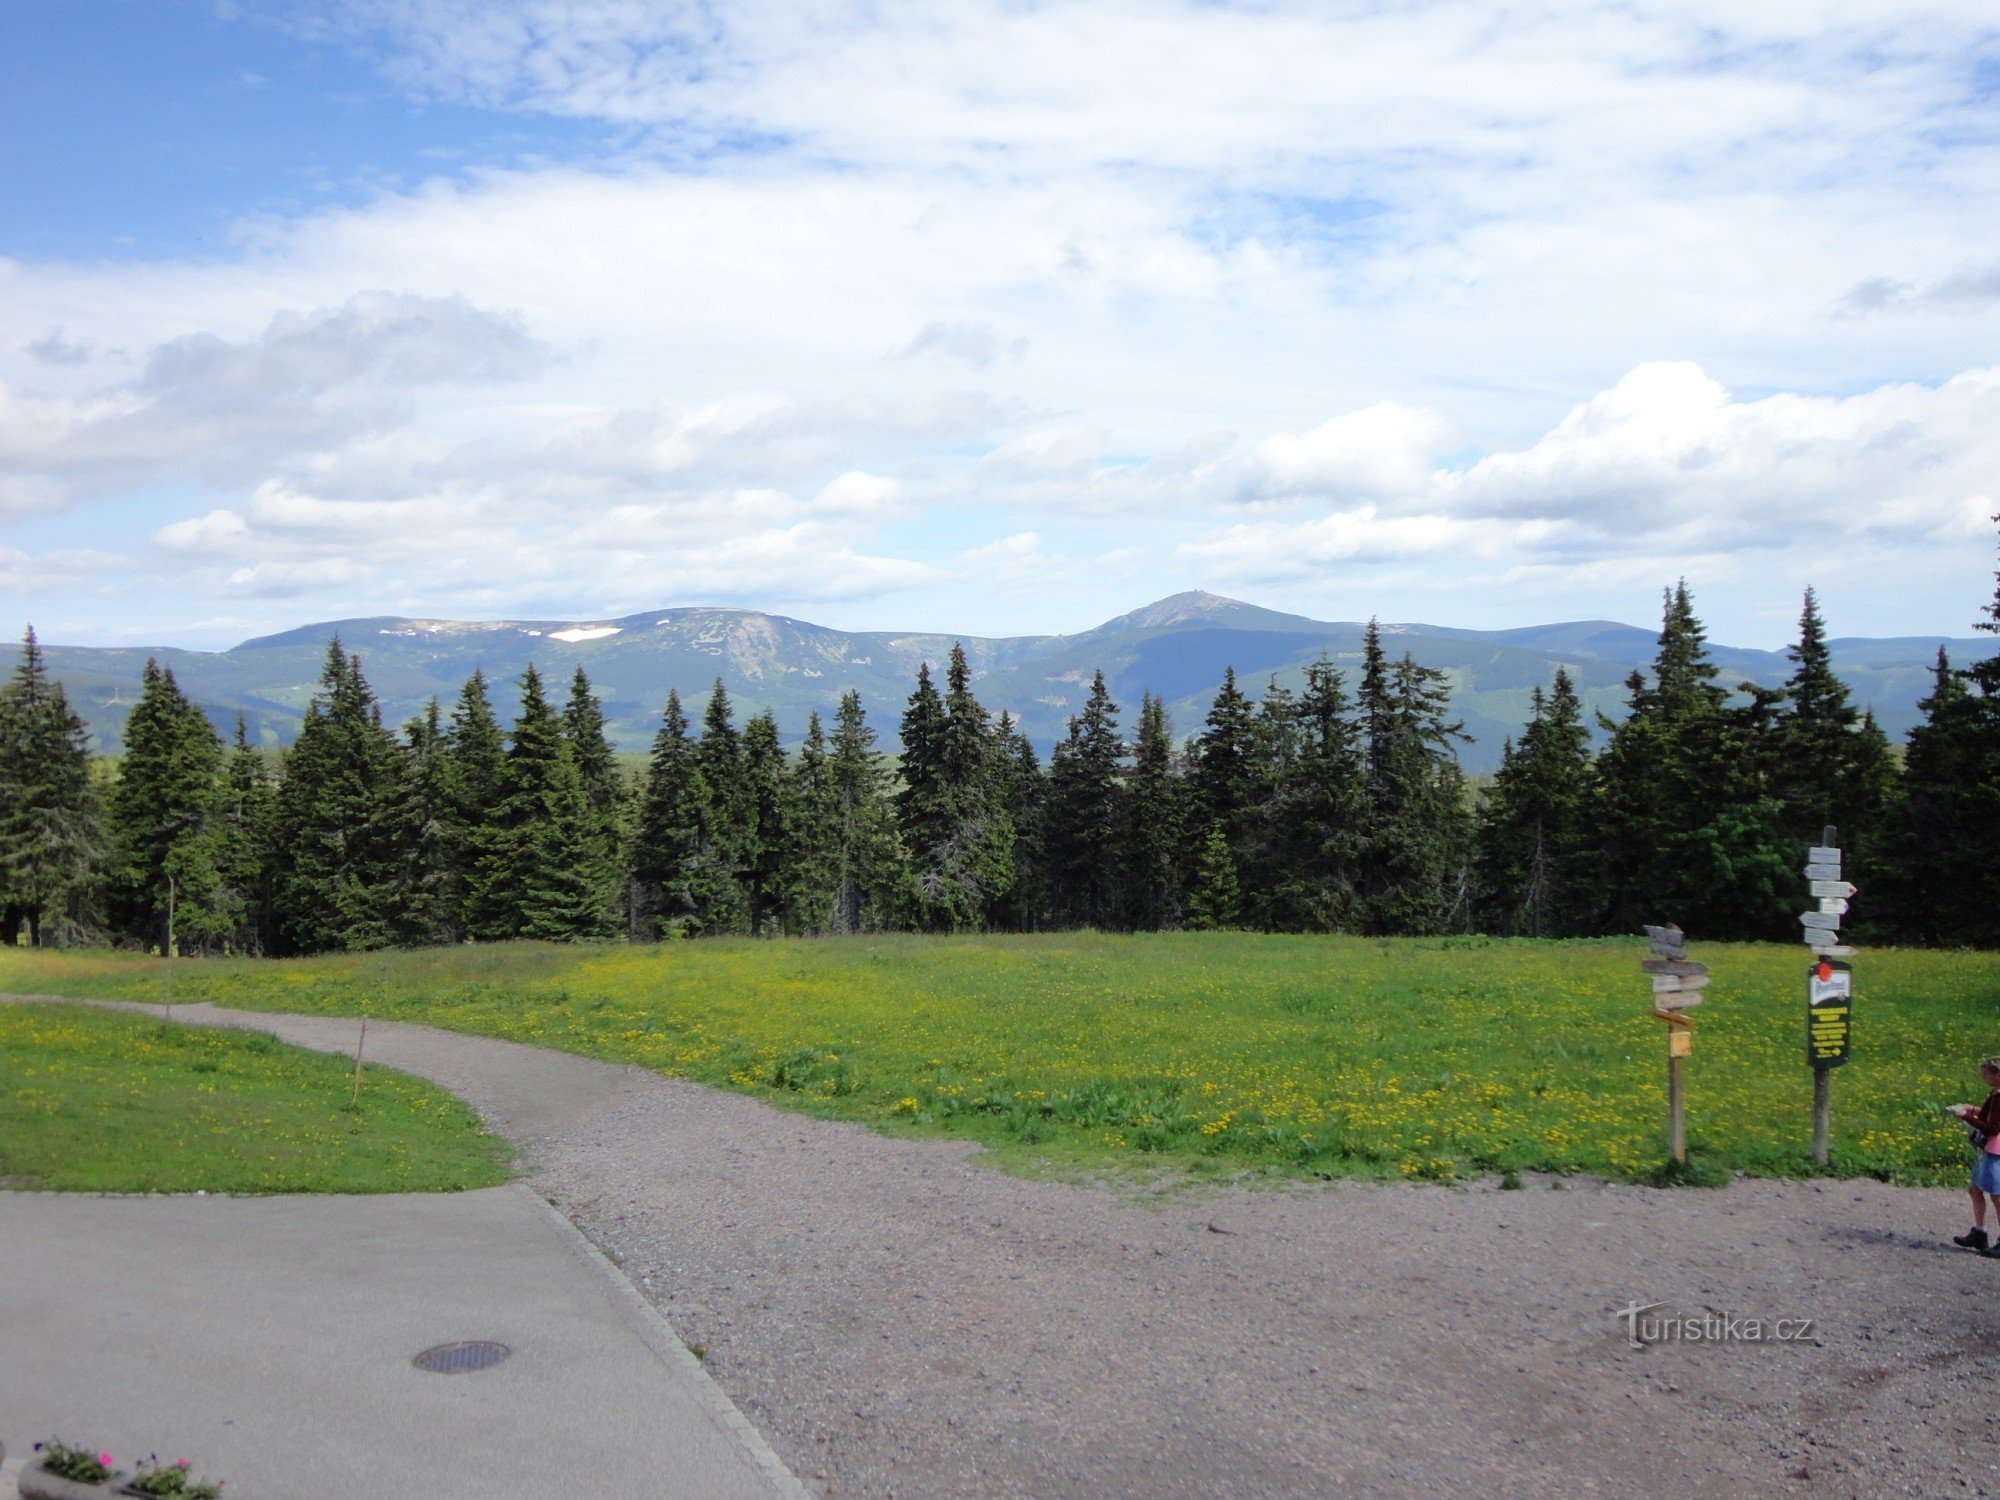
x=1195, y=607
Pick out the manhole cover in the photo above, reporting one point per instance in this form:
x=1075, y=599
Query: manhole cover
x=456, y=1359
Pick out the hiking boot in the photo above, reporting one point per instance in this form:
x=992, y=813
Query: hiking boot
x=1973, y=1239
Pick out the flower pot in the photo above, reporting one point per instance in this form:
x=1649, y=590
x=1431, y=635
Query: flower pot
x=37, y=1483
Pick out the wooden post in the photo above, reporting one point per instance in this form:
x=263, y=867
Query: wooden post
x=1676, y=1095
x=358, y=1046
x=1822, y=1116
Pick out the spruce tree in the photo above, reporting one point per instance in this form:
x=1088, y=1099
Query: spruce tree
x=159, y=813
x=1214, y=897
x=1313, y=823
x=429, y=904
x=49, y=838
x=866, y=858
x=1024, y=799
x=545, y=872
x=955, y=832
x=720, y=798
x=1153, y=860
x=1414, y=874
x=811, y=870
x=1941, y=884
x=597, y=768
x=766, y=835
x=1085, y=814
x=1667, y=776
x=248, y=815
x=1536, y=836
x=337, y=851
x=1223, y=779
x=663, y=849
x=475, y=779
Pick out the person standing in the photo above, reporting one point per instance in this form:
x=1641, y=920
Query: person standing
x=1982, y=1124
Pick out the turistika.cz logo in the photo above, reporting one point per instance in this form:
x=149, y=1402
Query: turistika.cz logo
x=1647, y=1323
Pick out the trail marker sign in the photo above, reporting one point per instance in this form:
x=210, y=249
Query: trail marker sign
x=1829, y=982
x=1829, y=1012
x=1677, y=982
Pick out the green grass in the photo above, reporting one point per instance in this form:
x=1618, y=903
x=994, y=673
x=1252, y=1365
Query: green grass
x=106, y=1101
x=1415, y=1058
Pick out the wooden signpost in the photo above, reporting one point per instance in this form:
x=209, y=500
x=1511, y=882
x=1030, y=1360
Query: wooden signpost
x=1829, y=983
x=1677, y=985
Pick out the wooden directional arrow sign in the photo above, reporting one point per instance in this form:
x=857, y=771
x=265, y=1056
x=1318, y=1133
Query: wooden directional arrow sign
x=1834, y=905
x=1819, y=854
x=1668, y=942
x=1665, y=1004
x=1837, y=888
x=1827, y=919
x=1829, y=950
x=1823, y=871
x=1681, y=966
x=1674, y=984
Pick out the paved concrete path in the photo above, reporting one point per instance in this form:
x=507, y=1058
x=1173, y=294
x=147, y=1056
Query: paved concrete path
x=270, y=1339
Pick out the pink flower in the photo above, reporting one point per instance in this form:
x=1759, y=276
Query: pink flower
x=105, y=1459
x=180, y=1463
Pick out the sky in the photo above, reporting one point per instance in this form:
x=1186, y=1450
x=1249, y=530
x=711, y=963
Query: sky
x=997, y=318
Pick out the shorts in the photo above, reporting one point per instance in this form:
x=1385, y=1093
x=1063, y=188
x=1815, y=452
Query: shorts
x=1986, y=1173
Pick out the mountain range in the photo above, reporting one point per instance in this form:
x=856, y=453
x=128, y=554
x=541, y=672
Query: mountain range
x=1176, y=648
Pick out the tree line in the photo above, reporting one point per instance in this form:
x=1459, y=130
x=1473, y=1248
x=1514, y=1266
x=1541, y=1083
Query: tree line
x=1329, y=808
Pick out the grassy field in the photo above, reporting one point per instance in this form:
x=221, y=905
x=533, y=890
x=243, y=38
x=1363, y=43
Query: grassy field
x=104, y=1101
x=1413, y=1058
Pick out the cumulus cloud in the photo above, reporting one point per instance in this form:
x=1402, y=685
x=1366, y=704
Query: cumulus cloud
x=1666, y=463
x=207, y=408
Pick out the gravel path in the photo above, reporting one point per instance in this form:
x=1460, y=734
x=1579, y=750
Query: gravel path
x=900, y=1321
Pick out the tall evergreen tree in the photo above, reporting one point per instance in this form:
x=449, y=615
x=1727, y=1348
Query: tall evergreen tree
x=337, y=848
x=1024, y=800
x=545, y=872
x=663, y=850
x=1313, y=811
x=723, y=827
x=248, y=817
x=1666, y=780
x=49, y=839
x=429, y=906
x=766, y=836
x=1414, y=864
x=865, y=853
x=1536, y=834
x=160, y=808
x=811, y=868
x=1085, y=814
x=475, y=780
x=955, y=834
x=1832, y=764
x=597, y=768
x=1224, y=773
x=1154, y=866
x=1941, y=884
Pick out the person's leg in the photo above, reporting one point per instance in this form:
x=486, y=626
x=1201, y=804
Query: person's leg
x=1975, y=1238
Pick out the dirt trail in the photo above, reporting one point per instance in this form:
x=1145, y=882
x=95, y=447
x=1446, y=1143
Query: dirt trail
x=901, y=1321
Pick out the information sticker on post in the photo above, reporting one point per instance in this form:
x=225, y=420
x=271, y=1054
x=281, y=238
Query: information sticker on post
x=1829, y=982
x=1677, y=985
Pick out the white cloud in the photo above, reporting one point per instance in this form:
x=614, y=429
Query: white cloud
x=1668, y=468
x=217, y=410
x=861, y=285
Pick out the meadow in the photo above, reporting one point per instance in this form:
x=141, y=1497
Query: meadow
x=1426, y=1059
x=107, y=1101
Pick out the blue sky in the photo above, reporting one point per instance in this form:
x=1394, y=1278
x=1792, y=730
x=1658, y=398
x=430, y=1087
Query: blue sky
x=996, y=317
